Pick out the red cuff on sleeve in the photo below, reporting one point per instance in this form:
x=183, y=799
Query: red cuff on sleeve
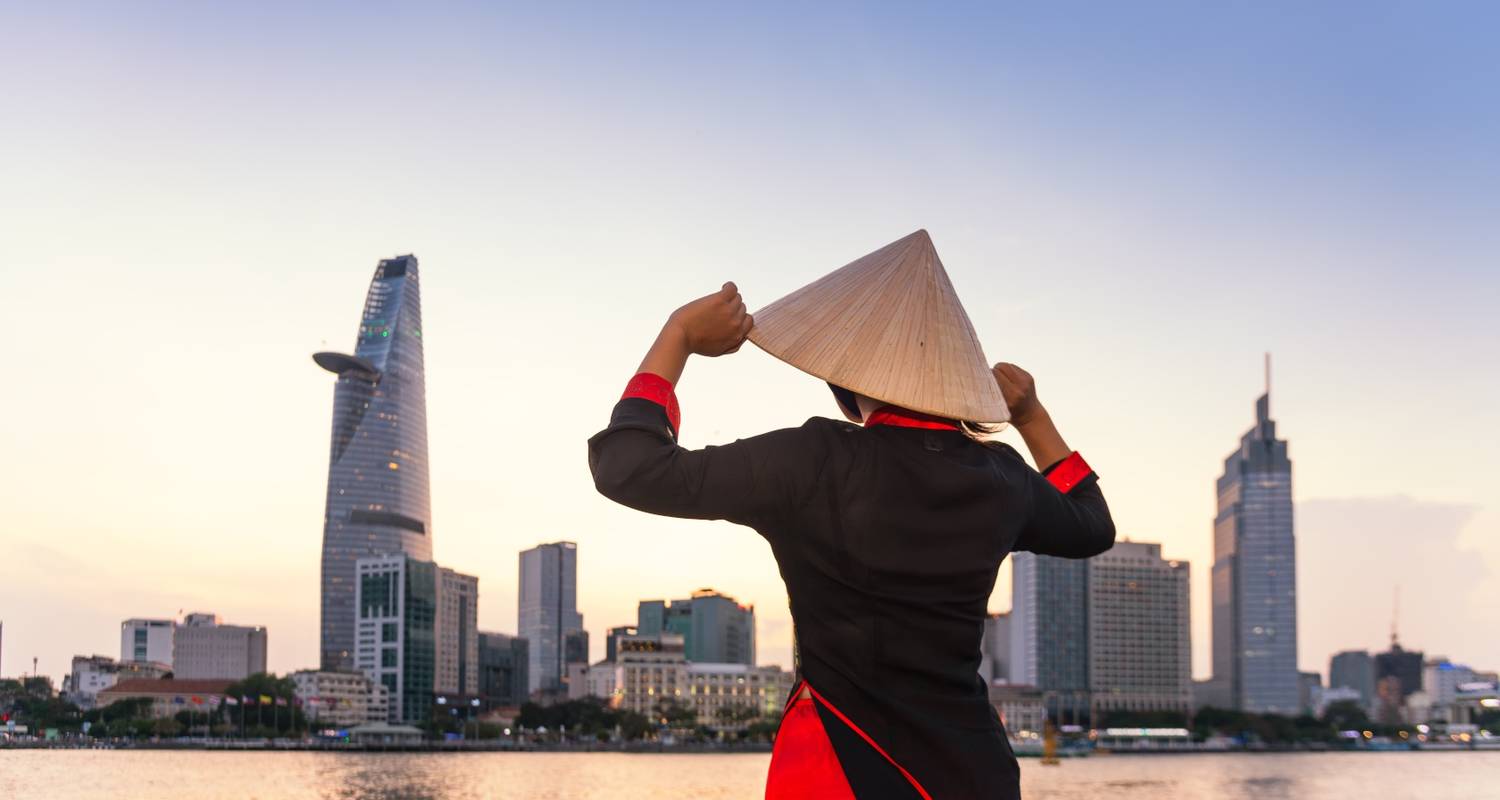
x=1069, y=472
x=653, y=387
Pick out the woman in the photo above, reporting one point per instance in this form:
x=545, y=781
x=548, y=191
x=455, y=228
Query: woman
x=888, y=532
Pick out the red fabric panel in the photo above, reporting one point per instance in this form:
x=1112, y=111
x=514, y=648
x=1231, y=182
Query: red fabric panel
x=803, y=764
x=866, y=737
x=1069, y=472
x=900, y=417
x=653, y=387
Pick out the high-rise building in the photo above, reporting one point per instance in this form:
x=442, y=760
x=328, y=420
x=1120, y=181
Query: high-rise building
x=147, y=640
x=457, y=634
x=1403, y=665
x=1049, y=630
x=994, y=649
x=1255, y=573
x=416, y=632
x=715, y=627
x=548, y=610
x=1140, y=656
x=378, y=500
x=204, y=649
x=1354, y=669
x=503, y=664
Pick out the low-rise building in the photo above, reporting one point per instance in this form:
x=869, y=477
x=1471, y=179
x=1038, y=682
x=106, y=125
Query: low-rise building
x=731, y=696
x=340, y=699
x=1021, y=708
x=168, y=695
x=93, y=674
x=503, y=660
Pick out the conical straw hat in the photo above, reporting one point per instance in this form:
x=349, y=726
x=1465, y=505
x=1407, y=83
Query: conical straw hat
x=888, y=326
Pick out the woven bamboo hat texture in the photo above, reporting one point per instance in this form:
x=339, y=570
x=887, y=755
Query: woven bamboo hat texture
x=888, y=326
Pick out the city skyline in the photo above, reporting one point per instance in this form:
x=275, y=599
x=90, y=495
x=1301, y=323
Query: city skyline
x=1122, y=215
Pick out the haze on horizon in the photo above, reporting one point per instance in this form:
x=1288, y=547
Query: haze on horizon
x=1135, y=204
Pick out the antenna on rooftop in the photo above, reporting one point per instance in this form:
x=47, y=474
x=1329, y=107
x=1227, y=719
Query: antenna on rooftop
x=1395, y=614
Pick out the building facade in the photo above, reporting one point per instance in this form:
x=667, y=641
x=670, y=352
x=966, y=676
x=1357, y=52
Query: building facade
x=457, y=627
x=1354, y=669
x=715, y=627
x=1403, y=665
x=613, y=635
x=1254, y=579
x=378, y=500
x=340, y=699
x=652, y=670
x=994, y=649
x=548, y=611
x=91, y=675
x=205, y=649
x=728, y=697
x=414, y=635
x=147, y=640
x=503, y=663
x=1140, y=655
x=1049, y=630
x=168, y=696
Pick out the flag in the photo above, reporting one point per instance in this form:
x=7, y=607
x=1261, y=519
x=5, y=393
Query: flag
x=197, y=701
x=230, y=701
x=296, y=701
x=265, y=700
x=177, y=701
x=281, y=701
x=214, y=701
x=247, y=700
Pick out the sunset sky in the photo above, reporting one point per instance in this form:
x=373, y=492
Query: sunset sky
x=1134, y=203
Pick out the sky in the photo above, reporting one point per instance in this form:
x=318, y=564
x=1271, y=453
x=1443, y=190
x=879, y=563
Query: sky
x=1135, y=203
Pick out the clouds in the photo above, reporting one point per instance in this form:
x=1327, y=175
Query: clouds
x=1354, y=552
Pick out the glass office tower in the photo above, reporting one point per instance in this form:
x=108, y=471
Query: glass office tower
x=378, y=501
x=548, y=611
x=1255, y=573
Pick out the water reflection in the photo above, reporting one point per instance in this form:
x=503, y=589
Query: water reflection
x=79, y=774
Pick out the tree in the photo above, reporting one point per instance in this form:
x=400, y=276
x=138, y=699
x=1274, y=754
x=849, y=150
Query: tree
x=1346, y=715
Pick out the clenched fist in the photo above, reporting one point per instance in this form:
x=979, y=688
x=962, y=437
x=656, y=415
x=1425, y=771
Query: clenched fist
x=714, y=325
x=1019, y=389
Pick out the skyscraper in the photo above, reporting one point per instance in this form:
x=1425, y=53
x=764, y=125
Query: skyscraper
x=548, y=610
x=1049, y=631
x=1139, y=652
x=1255, y=572
x=378, y=500
x=417, y=634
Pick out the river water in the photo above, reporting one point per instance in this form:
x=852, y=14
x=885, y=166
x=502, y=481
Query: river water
x=200, y=775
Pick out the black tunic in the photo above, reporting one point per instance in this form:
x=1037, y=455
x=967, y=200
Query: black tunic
x=889, y=540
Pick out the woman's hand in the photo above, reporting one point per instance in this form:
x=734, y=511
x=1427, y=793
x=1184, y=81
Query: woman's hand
x=1026, y=413
x=709, y=326
x=1019, y=389
x=714, y=325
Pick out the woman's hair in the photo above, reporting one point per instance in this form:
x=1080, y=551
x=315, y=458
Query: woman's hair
x=979, y=431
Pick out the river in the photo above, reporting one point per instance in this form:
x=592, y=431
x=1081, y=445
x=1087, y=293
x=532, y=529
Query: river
x=200, y=775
